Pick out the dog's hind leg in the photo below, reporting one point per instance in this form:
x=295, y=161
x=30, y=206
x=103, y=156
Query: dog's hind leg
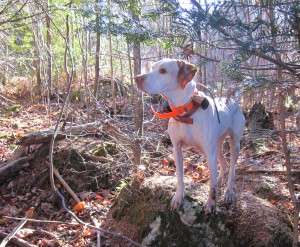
x=222, y=162
x=236, y=134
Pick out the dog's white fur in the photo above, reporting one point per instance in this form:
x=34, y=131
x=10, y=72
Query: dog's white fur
x=173, y=80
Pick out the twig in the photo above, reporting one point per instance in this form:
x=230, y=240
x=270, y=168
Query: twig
x=66, y=186
x=96, y=223
x=13, y=233
x=43, y=221
x=16, y=241
x=6, y=99
x=260, y=171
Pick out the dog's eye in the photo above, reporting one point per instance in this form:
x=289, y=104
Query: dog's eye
x=162, y=71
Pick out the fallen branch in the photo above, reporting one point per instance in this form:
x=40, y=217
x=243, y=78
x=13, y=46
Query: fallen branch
x=240, y=171
x=43, y=221
x=96, y=224
x=11, y=169
x=17, y=241
x=66, y=186
x=39, y=137
x=46, y=136
x=13, y=233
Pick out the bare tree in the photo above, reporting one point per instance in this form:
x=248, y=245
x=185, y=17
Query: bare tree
x=138, y=99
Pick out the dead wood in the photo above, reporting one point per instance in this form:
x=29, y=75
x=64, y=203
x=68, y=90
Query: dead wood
x=38, y=138
x=17, y=241
x=46, y=136
x=12, y=168
x=66, y=186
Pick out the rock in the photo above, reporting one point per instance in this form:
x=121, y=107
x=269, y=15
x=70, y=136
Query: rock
x=259, y=118
x=105, y=149
x=142, y=212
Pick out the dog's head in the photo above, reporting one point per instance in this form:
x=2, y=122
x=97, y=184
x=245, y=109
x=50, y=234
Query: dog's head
x=166, y=75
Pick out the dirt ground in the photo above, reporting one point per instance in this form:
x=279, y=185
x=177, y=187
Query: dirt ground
x=97, y=181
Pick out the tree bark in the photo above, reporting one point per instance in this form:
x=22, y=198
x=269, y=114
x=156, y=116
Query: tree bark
x=97, y=56
x=139, y=111
x=49, y=56
x=113, y=90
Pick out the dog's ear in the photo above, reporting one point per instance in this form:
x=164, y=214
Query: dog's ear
x=186, y=72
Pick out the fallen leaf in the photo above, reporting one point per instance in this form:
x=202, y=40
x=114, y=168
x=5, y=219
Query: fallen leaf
x=99, y=197
x=25, y=232
x=79, y=207
x=29, y=212
x=3, y=221
x=86, y=233
x=274, y=202
x=19, y=133
x=201, y=168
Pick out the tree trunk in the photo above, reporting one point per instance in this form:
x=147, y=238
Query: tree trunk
x=97, y=56
x=113, y=90
x=49, y=56
x=131, y=74
x=138, y=101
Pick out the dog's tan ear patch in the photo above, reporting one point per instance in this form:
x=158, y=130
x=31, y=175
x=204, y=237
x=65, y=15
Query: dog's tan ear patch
x=186, y=72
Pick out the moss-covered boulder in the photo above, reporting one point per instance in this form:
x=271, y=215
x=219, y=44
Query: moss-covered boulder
x=260, y=118
x=142, y=212
x=105, y=149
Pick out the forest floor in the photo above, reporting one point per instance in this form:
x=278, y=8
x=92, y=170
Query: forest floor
x=260, y=170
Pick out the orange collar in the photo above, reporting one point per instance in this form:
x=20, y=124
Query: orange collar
x=175, y=111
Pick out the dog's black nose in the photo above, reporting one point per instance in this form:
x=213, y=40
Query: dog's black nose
x=139, y=78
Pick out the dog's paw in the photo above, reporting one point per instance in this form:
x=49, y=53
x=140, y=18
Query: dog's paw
x=229, y=196
x=210, y=206
x=176, y=201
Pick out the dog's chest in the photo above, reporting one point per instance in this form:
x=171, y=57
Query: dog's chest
x=188, y=135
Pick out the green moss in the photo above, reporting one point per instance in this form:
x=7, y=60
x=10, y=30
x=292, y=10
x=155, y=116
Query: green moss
x=4, y=120
x=75, y=96
x=105, y=149
x=257, y=145
x=263, y=188
x=14, y=108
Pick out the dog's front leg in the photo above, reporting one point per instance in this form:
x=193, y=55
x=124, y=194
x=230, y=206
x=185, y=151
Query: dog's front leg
x=210, y=205
x=178, y=158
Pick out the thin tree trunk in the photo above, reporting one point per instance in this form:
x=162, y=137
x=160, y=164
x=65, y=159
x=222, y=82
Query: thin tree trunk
x=113, y=90
x=37, y=63
x=131, y=74
x=49, y=56
x=286, y=152
x=97, y=56
x=139, y=111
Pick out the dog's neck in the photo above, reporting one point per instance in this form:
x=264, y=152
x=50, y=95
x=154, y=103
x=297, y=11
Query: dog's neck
x=180, y=96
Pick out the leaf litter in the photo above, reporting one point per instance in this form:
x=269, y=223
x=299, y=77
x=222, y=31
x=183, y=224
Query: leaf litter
x=260, y=171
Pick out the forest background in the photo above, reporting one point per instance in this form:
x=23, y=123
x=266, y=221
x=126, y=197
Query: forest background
x=75, y=61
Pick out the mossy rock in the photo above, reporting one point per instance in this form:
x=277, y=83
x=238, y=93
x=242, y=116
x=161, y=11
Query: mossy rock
x=105, y=149
x=257, y=145
x=76, y=95
x=14, y=108
x=143, y=211
x=260, y=118
x=263, y=188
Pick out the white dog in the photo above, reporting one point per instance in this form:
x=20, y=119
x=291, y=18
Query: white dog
x=196, y=121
